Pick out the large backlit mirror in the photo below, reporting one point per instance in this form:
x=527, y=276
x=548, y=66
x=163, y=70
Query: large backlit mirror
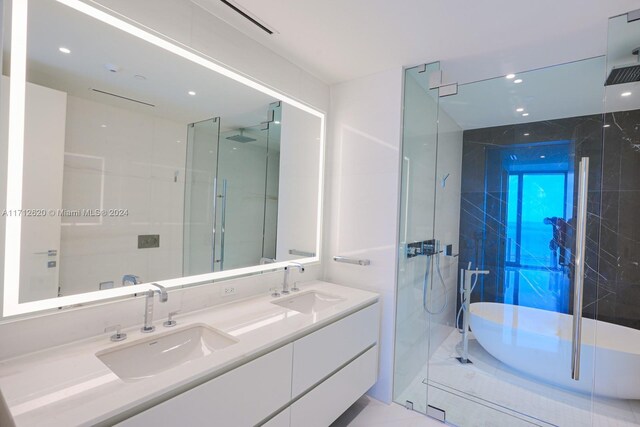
x=141, y=161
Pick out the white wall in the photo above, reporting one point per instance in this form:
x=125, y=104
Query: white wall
x=361, y=212
x=131, y=164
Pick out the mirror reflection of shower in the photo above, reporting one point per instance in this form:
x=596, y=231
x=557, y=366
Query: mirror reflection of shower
x=231, y=197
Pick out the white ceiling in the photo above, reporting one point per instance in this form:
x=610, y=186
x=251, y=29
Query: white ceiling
x=168, y=77
x=338, y=40
x=567, y=90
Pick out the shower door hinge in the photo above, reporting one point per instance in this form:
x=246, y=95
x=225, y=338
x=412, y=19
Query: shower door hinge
x=435, y=82
x=436, y=413
x=409, y=405
x=448, y=90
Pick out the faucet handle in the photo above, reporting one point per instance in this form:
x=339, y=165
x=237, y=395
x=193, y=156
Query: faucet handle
x=118, y=336
x=170, y=322
x=295, y=287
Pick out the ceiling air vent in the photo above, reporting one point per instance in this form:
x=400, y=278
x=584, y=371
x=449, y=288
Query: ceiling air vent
x=122, y=97
x=248, y=17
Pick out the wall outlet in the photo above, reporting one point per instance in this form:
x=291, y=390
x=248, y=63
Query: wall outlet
x=228, y=290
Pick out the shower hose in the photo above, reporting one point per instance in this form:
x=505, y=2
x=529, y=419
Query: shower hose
x=426, y=281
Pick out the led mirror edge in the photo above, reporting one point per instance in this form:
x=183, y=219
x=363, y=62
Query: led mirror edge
x=11, y=289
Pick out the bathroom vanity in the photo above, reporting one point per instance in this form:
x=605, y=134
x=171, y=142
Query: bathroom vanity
x=296, y=360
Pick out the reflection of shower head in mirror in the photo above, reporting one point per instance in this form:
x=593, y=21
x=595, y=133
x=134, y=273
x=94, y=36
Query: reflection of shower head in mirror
x=240, y=137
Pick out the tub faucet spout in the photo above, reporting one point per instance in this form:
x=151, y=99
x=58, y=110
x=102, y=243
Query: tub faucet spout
x=466, y=287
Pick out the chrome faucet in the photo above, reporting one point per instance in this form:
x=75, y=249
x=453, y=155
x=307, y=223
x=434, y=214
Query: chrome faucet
x=148, y=306
x=130, y=279
x=285, y=283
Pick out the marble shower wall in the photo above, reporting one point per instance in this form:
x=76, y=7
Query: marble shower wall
x=484, y=211
x=620, y=233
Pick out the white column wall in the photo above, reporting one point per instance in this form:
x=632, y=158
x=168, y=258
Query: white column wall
x=361, y=210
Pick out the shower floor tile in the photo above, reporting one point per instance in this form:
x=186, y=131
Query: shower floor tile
x=489, y=393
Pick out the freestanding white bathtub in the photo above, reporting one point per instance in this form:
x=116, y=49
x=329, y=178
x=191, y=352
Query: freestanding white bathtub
x=538, y=343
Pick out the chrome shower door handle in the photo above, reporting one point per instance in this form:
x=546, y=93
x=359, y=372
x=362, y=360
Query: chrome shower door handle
x=223, y=220
x=213, y=224
x=578, y=277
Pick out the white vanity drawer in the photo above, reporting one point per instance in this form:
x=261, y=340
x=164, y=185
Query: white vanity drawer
x=242, y=397
x=322, y=352
x=322, y=405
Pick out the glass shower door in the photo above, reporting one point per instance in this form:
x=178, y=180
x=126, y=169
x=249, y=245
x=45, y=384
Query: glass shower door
x=524, y=211
x=618, y=297
x=200, y=197
x=413, y=321
x=504, y=196
x=242, y=172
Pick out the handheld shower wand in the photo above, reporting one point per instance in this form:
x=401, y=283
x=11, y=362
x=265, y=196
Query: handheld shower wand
x=434, y=251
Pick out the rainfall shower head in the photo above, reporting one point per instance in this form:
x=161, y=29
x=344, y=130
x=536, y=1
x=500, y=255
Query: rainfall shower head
x=625, y=74
x=240, y=137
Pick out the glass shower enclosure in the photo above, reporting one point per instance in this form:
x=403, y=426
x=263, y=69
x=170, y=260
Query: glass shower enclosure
x=518, y=278
x=231, y=194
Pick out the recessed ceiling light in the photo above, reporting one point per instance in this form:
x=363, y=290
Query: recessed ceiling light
x=64, y=50
x=520, y=110
x=525, y=114
x=276, y=122
x=235, y=148
x=510, y=76
x=625, y=94
x=606, y=126
x=139, y=77
x=517, y=81
x=192, y=93
x=526, y=134
x=178, y=141
x=543, y=157
x=103, y=126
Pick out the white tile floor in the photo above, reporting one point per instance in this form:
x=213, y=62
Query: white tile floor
x=368, y=412
x=489, y=393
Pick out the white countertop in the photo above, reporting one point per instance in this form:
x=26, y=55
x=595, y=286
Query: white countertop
x=69, y=386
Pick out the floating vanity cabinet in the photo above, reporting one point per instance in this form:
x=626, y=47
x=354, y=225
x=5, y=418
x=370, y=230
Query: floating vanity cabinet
x=326, y=402
x=308, y=382
x=323, y=352
x=242, y=397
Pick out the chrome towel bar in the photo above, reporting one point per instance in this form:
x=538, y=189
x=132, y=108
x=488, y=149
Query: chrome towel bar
x=355, y=261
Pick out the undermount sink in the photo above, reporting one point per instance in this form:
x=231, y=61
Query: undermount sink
x=308, y=302
x=154, y=355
